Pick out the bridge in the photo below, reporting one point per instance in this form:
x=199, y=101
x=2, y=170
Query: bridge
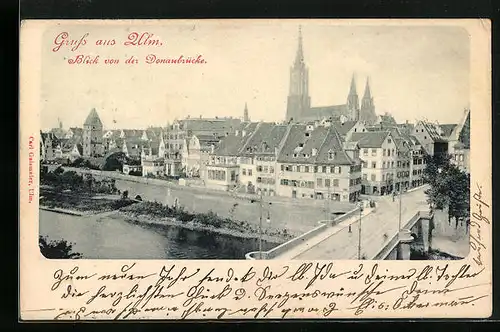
x=382, y=236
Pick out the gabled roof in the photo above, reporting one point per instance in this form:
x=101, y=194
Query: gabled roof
x=343, y=128
x=313, y=146
x=200, y=126
x=93, y=119
x=370, y=139
x=447, y=129
x=132, y=134
x=265, y=139
x=434, y=131
x=231, y=144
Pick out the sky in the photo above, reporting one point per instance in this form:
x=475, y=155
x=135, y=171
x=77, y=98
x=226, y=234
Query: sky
x=415, y=71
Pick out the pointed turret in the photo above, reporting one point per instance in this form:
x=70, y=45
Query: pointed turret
x=93, y=119
x=246, y=118
x=367, y=94
x=353, y=100
x=299, y=57
x=352, y=90
x=367, y=111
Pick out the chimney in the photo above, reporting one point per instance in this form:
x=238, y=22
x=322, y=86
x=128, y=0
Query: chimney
x=276, y=150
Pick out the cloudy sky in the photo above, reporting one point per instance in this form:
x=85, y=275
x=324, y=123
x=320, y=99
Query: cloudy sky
x=415, y=72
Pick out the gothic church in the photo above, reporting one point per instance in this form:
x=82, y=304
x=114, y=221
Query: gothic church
x=299, y=102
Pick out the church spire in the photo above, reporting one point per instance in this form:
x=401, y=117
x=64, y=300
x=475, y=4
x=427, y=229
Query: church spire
x=353, y=100
x=352, y=90
x=246, y=118
x=368, y=94
x=299, y=57
x=367, y=112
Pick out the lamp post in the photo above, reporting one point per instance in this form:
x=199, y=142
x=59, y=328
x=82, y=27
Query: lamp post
x=359, y=229
x=260, y=225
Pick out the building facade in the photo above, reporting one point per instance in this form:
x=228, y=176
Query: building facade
x=378, y=153
x=93, y=135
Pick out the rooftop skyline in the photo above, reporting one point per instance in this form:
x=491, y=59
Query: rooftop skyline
x=415, y=72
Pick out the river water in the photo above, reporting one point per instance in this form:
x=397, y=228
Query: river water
x=113, y=238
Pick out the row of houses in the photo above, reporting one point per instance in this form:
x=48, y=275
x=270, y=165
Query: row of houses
x=336, y=160
x=326, y=159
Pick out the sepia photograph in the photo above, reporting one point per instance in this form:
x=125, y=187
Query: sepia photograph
x=255, y=169
x=294, y=142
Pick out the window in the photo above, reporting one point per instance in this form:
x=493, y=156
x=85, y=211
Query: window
x=328, y=169
x=425, y=137
x=374, y=165
x=384, y=152
x=295, y=155
x=301, y=169
x=271, y=169
x=383, y=177
x=244, y=171
x=389, y=141
x=319, y=183
x=335, y=182
x=324, y=169
x=249, y=172
x=383, y=164
x=306, y=169
x=374, y=152
x=315, y=169
x=365, y=152
x=331, y=155
x=233, y=176
x=282, y=167
x=259, y=179
x=365, y=176
x=388, y=153
x=294, y=168
x=327, y=183
x=392, y=164
x=373, y=177
x=259, y=168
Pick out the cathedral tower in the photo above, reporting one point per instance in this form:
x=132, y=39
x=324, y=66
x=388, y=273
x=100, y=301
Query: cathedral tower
x=298, y=101
x=367, y=111
x=92, y=135
x=353, y=101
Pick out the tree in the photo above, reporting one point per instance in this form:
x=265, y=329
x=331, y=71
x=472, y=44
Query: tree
x=449, y=187
x=57, y=249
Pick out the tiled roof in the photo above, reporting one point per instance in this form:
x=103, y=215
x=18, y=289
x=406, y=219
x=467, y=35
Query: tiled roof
x=264, y=140
x=93, y=119
x=447, y=129
x=343, y=128
x=210, y=126
x=80, y=149
x=387, y=118
x=434, y=131
x=231, y=144
x=370, y=139
x=300, y=148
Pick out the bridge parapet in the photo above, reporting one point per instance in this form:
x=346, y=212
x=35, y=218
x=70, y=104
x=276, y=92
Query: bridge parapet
x=284, y=247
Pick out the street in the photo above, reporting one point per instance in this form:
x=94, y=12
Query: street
x=385, y=220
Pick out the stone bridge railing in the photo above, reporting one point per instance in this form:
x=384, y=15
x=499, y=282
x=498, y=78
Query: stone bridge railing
x=284, y=247
x=401, y=237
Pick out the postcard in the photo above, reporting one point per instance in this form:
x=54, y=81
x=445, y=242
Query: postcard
x=255, y=169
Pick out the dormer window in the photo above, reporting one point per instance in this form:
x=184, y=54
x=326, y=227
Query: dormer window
x=301, y=145
x=331, y=155
x=295, y=155
x=307, y=134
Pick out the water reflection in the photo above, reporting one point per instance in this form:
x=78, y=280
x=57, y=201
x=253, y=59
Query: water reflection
x=111, y=237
